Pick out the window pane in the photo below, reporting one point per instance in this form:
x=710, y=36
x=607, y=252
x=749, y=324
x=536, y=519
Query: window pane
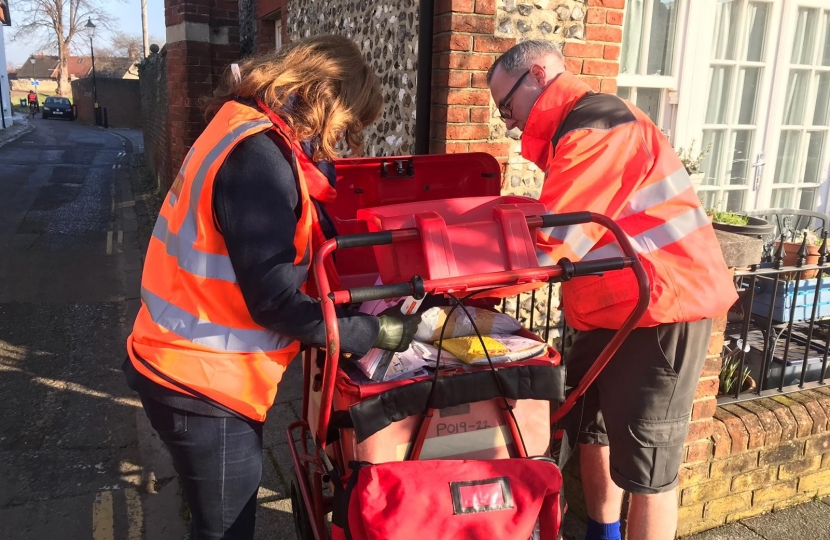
x=624, y=92
x=739, y=157
x=814, y=152
x=648, y=101
x=796, y=97
x=825, y=56
x=735, y=200
x=661, y=40
x=711, y=163
x=720, y=81
x=726, y=28
x=632, y=36
x=748, y=88
x=711, y=199
x=756, y=14
x=808, y=197
x=785, y=162
x=781, y=198
x=821, y=114
x=805, y=35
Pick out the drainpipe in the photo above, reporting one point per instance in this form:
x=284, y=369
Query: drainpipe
x=423, y=98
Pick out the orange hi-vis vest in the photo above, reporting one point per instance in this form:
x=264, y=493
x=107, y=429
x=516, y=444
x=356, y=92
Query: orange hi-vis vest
x=194, y=333
x=603, y=155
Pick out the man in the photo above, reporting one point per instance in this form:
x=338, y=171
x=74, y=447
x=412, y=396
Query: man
x=33, y=99
x=604, y=155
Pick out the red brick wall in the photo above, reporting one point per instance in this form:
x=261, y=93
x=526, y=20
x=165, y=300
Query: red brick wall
x=465, y=46
x=153, y=81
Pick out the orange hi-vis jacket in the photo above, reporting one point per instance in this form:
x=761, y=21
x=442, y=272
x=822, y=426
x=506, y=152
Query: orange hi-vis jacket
x=194, y=333
x=601, y=154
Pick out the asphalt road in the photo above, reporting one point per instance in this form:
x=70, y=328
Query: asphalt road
x=69, y=452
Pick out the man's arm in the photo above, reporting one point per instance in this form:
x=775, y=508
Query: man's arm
x=593, y=170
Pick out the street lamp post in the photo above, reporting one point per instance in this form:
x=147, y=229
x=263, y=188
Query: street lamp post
x=91, y=28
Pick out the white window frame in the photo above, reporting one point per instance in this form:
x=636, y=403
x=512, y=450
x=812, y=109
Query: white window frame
x=768, y=65
x=278, y=33
x=693, y=90
x=778, y=102
x=668, y=83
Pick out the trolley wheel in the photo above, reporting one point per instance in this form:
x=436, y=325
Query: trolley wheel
x=302, y=521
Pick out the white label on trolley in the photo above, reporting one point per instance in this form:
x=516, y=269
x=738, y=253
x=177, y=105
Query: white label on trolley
x=410, y=305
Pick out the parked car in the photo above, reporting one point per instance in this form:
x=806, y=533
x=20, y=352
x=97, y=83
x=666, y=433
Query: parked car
x=58, y=107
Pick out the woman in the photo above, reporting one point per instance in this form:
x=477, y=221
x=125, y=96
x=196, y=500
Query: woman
x=224, y=304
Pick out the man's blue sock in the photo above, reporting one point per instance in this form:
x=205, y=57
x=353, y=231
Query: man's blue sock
x=603, y=531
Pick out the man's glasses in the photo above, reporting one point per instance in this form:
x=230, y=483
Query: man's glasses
x=505, y=111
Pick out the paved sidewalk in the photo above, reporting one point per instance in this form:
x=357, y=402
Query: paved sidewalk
x=809, y=521
x=21, y=127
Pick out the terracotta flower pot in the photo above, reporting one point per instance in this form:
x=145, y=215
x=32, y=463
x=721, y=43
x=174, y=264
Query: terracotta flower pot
x=791, y=258
x=748, y=386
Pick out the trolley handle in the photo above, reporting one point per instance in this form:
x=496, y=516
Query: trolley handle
x=591, y=268
x=414, y=287
x=562, y=220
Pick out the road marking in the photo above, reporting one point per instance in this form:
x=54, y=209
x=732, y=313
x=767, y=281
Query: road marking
x=102, y=519
x=135, y=515
x=120, y=241
x=113, y=166
x=109, y=242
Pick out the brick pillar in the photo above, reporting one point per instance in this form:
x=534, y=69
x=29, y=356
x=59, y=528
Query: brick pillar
x=202, y=39
x=699, y=442
x=596, y=58
x=470, y=34
x=464, y=48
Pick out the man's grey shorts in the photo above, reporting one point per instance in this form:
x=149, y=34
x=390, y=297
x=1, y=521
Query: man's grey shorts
x=640, y=404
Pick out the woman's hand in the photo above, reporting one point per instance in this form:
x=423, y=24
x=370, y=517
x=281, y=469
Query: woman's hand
x=396, y=330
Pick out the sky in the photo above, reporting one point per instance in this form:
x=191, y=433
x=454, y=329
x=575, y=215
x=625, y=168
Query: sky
x=128, y=19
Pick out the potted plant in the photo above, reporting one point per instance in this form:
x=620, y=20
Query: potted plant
x=813, y=242
x=692, y=162
x=740, y=224
x=730, y=376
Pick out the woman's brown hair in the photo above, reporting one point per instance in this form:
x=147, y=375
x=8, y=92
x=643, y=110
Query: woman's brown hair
x=321, y=86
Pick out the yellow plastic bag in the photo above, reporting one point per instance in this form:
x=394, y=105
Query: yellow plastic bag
x=469, y=348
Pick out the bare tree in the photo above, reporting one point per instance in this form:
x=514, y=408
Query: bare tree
x=11, y=67
x=55, y=24
x=126, y=45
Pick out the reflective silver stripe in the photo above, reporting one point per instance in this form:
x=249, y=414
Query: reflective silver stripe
x=543, y=258
x=198, y=263
x=182, y=245
x=574, y=236
x=658, y=237
x=228, y=141
x=208, y=334
x=657, y=193
x=172, y=197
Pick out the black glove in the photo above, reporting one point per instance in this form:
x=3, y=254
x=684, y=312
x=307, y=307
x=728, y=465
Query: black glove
x=396, y=330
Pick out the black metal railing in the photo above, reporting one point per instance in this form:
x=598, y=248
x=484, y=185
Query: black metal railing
x=778, y=333
x=537, y=313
